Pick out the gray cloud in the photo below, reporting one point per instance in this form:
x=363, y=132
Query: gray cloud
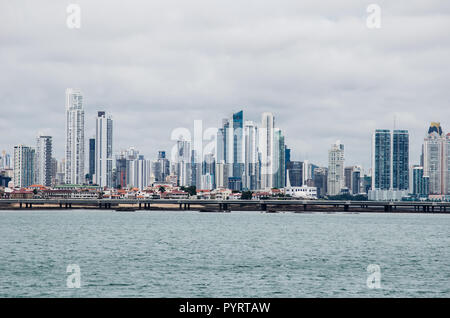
x=160, y=65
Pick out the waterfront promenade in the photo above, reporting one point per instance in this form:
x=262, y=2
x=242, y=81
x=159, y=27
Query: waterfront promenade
x=230, y=205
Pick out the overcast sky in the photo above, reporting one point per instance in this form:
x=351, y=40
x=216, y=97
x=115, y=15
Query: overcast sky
x=159, y=65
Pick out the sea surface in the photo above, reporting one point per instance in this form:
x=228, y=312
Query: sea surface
x=238, y=254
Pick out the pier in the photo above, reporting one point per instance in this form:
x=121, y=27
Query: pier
x=230, y=205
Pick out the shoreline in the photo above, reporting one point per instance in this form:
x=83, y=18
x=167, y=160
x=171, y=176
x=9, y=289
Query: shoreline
x=208, y=209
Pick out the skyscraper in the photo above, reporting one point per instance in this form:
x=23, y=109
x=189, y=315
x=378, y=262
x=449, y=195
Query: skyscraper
x=335, y=169
x=420, y=184
x=24, y=166
x=251, y=175
x=353, y=179
x=320, y=179
x=161, y=167
x=5, y=160
x=400, y=160
x=267, y=150
x=121, y=172
x=74, y=137
x=436, y=152
x=208, y=172
x=43, y=163
x=103, y=150
x=139, y=173
x=238, y=137
x=279, y=161
x=295, y=173
x=182, y=162
x=390, y=160
x=91, y=159
x=381, y=159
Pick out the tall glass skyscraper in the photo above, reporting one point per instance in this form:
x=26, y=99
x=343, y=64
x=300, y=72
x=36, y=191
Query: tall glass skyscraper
x=238, y=136
x=279, y=163
x=400, y=160
x=91, y=159
x=390, y=160
x=381, y=159
x=229, y=145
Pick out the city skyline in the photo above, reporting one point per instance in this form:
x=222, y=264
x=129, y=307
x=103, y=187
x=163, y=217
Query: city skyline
x=236, y=145
x=318, y=67
x=77, y=103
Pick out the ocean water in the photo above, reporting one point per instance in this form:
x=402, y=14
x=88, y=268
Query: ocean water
x=238, y=254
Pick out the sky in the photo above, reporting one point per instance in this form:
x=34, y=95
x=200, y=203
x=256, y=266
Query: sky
x=159, y=65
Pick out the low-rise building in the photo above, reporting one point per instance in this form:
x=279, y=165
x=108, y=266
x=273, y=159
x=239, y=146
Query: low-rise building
x=303, y=192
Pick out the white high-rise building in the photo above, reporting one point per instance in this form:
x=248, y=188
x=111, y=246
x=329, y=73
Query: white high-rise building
x=267, y=150
x=43, y=167
x=336, y=176
x=5, y=160
x=24, y=165
x=139, y=173
x=75, y=173
x=183, y=162
x=436, y=154
x=221, y=176
x=103, y=150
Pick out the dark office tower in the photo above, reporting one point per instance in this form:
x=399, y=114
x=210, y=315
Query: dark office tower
x=53, y=170
x=366, y=183
x=420, y=183
x=287, y=155
x=356, y=182
x=161, y=167
x=320, y=181
x=400, y=160
x=295, y=173
x=279, y=159
x=91, y=159
x=121, y=173
x=348, y=177
x=208, y=172
x=381, y=160
x=390, y=160
x=238, y=137
x=235, y=184
x=196, y=171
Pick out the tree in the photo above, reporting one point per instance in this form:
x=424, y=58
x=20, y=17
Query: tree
x=192, y=190
x=246, y=195
x=162, y=189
